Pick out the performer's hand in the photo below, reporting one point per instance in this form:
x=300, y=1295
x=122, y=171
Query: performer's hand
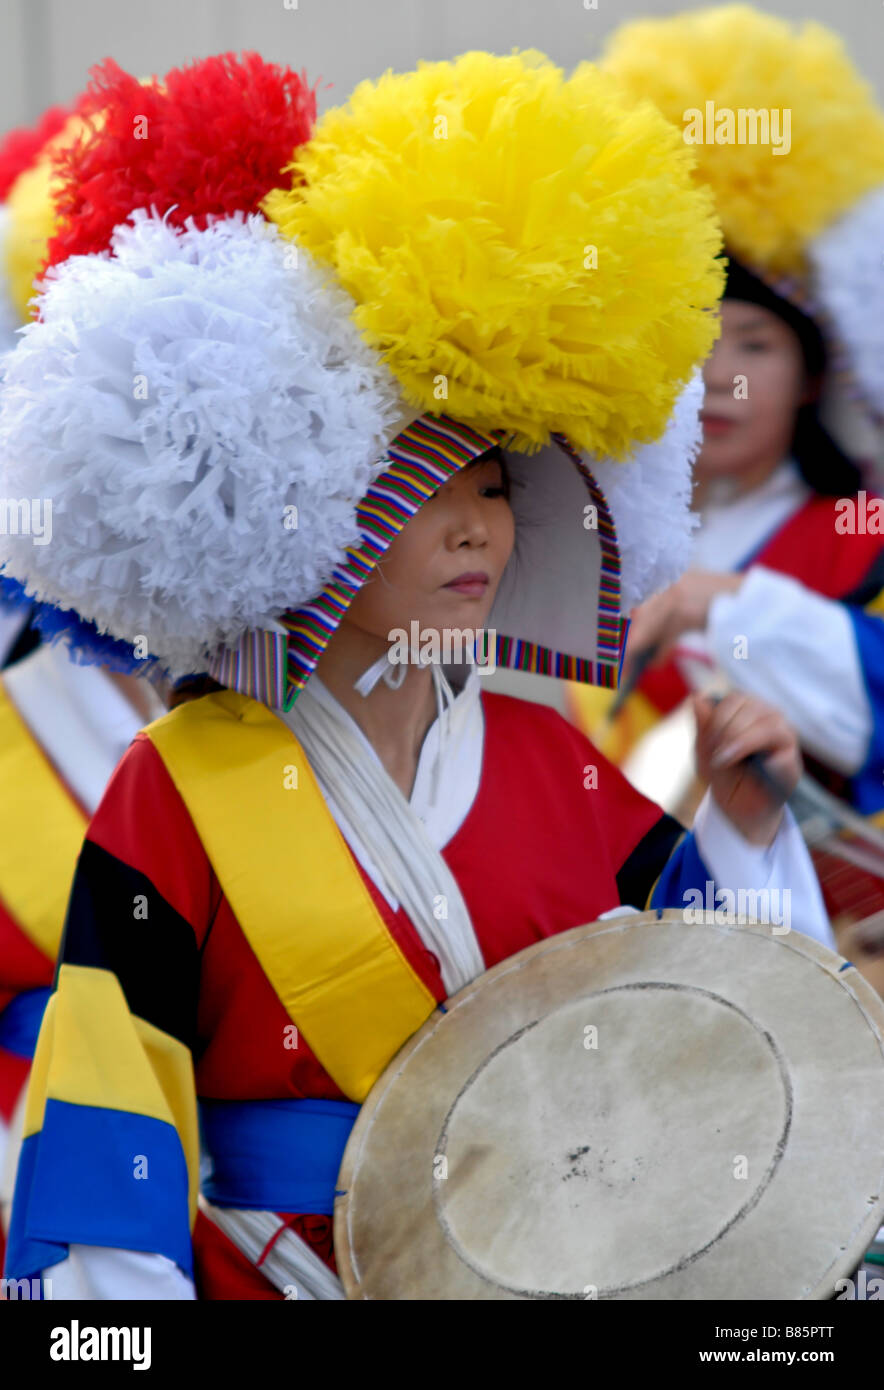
x=727, y=732
x=683, y=607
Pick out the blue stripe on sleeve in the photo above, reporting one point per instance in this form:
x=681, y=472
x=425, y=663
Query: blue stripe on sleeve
x=684, y=870
x=20, y=1021
x=867, y=787
x=94, y=1176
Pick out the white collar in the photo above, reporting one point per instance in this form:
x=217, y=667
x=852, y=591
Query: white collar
x=732, y=530
x=462, y=768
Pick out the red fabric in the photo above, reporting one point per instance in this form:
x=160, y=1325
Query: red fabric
x=22, y=964
x=665, y=687
x=142, y=821
x=532, y=809
x=13, y=1075
x=807, y=548
x=223, y=1272
x=538, y=853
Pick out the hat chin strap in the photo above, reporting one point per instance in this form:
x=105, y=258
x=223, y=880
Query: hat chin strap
x=382, y=669
x=394, y=676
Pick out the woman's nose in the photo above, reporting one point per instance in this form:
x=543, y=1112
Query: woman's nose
x=468, y=526
x=717, y=369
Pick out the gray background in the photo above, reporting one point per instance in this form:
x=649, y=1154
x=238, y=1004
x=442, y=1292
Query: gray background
x=47, y=46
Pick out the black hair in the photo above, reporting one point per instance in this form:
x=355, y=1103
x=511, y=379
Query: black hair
x=823, y=464
x=495, y=455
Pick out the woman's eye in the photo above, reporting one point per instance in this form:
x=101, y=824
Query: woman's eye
x=755, y=345
x=493, y=491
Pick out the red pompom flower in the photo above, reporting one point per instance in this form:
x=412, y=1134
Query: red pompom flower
x=209, y=140
x=20, y=148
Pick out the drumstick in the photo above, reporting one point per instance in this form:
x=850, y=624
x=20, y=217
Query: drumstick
x=755, y=762
x=807, y=792
x=643, y=660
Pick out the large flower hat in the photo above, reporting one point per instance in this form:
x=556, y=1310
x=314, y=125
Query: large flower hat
x=807, y=217
x=260, y=348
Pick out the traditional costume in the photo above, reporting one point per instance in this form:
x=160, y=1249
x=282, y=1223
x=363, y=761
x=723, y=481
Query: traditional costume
x=260, y=918
x=804, y=229
x=63, y=725
x=22, y=184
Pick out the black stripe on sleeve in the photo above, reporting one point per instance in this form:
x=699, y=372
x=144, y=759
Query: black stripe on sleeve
x=643, y=867
x=117, y=921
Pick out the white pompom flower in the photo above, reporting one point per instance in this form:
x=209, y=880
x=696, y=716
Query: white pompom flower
x=848, y=263
x=649, y=498
x=204, y=417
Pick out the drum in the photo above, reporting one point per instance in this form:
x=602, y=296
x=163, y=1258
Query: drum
x=644, y=1107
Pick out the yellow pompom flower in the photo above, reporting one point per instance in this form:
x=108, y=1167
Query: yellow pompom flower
x=525, y=252
x=31, y=212
x=734, y=56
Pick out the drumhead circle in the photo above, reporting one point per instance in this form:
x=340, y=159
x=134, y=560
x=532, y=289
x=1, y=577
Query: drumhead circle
x=644, y=1107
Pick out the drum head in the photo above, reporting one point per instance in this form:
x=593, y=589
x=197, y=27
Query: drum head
x=639, y=1108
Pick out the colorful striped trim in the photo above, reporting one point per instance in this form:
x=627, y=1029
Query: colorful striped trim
x=275, y=666
x=257, y=666
x=423, y=457
x=611, y=627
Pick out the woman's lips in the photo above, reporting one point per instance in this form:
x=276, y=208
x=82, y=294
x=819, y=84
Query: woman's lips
x=471, y=585
x=717, y=424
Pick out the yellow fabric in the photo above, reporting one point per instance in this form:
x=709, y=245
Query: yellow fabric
x=292, y=884
x=740, y=59
x=588, y=708
x=491, y=220
x=41, y=831
x=31, y=212
x=93, y=1051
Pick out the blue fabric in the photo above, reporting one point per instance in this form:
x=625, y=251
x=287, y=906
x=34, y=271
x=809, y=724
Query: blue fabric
x=77, y=1184
x=684, y=870
x=26, y=1256
x=275, y=1155
x=87, y=646
x=20, y=1021
x=867, y=787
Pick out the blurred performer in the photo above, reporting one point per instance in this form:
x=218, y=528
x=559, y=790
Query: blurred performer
x=19, y=151
x=64, y=725
x=372, y=422
x=784, y=591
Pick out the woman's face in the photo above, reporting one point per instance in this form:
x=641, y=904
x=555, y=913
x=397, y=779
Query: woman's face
x=755, y=382
x=444, y=567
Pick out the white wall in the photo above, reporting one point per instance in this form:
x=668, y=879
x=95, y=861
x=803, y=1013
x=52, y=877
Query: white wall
x=47, y=46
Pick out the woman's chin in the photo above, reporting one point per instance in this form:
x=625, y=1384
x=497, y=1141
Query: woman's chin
x=723, y=458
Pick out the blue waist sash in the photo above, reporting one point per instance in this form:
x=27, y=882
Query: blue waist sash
x=275, y=1155
x=20, y=1021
